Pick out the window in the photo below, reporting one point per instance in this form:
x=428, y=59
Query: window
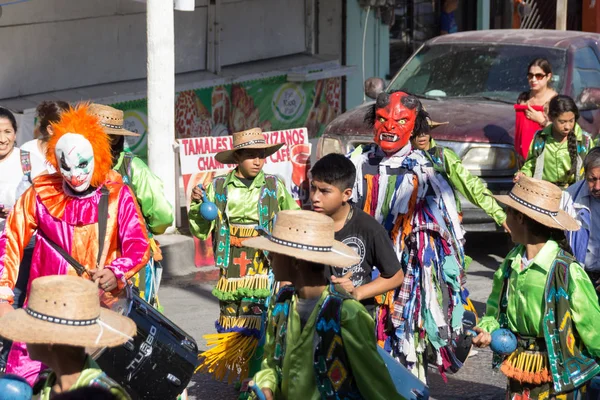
x=494, y=72
x=586, y=72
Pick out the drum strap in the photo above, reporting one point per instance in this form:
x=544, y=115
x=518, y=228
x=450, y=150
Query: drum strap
x=102, y=221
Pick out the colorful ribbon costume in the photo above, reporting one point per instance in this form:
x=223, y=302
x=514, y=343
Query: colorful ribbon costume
x=402, y=190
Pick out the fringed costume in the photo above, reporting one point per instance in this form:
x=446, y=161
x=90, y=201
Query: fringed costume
x=246, y=282
x=401, y=188
x=416, y=206
x=550, y=305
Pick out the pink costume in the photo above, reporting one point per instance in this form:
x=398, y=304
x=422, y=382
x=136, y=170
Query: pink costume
x=71, y=222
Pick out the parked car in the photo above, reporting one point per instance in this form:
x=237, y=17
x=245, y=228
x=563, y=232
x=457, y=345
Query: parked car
x=471, y=80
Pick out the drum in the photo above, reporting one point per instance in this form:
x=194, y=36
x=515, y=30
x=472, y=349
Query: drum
x=408, y=386
x=160, y=360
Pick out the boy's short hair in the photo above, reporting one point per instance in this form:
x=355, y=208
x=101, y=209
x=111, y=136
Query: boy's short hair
x=335, y=169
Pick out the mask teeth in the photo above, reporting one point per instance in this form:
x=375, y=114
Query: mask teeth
x=396, y=138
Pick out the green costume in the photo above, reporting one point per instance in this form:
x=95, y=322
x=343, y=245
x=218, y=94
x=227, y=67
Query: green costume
x=157, y=212
x=293, y=377
x=449, y=164
x=549, y=160
x=553, y=313
x=148, y=190
x=91, y=376
x=245, y=283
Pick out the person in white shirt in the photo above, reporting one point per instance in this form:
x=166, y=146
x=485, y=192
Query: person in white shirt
x=582, y=202
x=47, y=112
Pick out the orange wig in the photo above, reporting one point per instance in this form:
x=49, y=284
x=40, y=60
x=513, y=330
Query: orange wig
x=78, y=120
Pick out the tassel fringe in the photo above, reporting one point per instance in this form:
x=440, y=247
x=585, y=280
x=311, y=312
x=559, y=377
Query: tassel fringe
x=247, y=286
x=228, y=357
x=527, y=367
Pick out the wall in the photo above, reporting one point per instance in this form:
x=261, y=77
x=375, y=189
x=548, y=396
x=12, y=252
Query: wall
x=329, y=28
x=377, y=51
x=64, y=44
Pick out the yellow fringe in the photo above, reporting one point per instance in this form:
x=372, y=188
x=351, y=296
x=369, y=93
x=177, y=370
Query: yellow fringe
x=247, y=282
x=229, y=356
x=247, y=321
x=527, y=367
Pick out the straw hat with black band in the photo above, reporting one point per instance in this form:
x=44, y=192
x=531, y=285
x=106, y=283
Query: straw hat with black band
x=111, y=119
x=249, y=139
x=540, y=201
x=66, y=310
x=305, y=235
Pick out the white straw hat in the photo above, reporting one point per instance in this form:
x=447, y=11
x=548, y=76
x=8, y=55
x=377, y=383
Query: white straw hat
x=306, y=235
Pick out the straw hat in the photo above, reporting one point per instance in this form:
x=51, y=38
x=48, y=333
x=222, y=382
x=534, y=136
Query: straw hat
x=66, y=310
x=306, y=235
x=540, y=201
x=250, y=139
x=111, y=119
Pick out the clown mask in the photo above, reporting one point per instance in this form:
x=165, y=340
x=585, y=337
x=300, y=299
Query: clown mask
x=395, y=116
x=75, y=156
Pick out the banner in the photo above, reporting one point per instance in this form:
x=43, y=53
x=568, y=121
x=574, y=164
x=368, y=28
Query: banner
x=273, y=104
x=290, y=163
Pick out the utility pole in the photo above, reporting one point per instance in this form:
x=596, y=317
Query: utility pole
x=161, y=95
x=561, y=15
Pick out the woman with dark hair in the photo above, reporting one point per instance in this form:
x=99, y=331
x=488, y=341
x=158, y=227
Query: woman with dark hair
x=530, y=107
x=47, y=112
x=17, y=168
x=557, y=151
x=544, y=297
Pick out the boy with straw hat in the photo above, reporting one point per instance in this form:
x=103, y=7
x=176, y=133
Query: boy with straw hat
x=543, y=295
x=62, y=318
x=345, y=362
x=245, y=197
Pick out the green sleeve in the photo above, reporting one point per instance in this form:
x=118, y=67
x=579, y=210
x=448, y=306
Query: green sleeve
x=489, y=322
x=267, y=376
x=148, y=189
x=584, y=308
x=529, y=167
x=284, y=198
x=200, y=227
x=471, y=186
x=369, y=370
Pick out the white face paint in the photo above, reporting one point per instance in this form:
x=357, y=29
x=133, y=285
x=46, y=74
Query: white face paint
x=75, y=157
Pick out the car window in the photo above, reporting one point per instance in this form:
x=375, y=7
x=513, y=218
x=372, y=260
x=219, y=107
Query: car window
x=475, y=70
x=586, y=71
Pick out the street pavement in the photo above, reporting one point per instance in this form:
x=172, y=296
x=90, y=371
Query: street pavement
x=189, y=304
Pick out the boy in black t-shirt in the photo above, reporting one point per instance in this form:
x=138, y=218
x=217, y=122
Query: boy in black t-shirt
x=332, y=179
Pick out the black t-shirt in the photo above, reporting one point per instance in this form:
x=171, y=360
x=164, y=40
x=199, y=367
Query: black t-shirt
x=371, y=241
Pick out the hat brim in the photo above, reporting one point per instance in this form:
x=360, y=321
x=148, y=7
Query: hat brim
x=21, y=327
x=341, y=256
x=119, y=132
x=562, y=221
x=226, y=157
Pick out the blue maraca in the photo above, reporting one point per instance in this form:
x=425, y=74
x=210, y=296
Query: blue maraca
x=208, y=209
x=504, y=342
x=13, y=387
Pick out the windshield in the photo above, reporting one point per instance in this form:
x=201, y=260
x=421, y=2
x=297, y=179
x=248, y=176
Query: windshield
x=495, y=72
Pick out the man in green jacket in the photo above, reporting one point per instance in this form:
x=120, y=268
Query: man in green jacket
x=449, y=164
x=148, y=191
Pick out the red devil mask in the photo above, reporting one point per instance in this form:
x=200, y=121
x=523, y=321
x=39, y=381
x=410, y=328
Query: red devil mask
x=395, y=117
